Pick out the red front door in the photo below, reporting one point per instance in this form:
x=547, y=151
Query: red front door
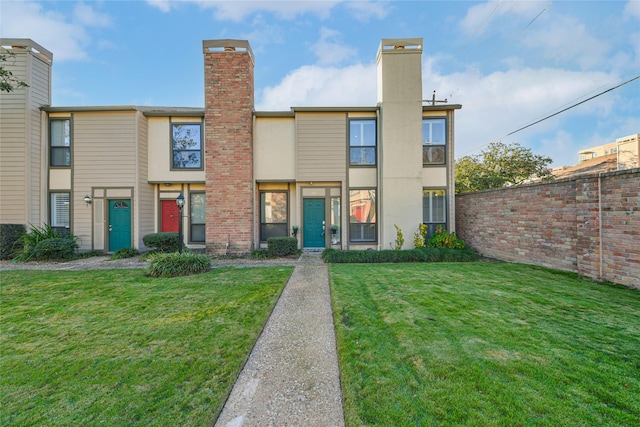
x=169, y=216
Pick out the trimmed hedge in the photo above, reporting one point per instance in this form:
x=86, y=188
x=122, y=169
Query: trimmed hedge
x=177, y=264
x=411, y=255
x=282, y=246
x=125, y=253
x=162, y=242
x=10, y=235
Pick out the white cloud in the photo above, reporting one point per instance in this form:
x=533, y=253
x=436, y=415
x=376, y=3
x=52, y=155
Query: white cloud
x=330, y=49
x=480, y=18
x=566, y=39
x=238, y=10
x=312, y=85
x=499, y=103
x=364, y=11
x=66, y=36
x=632, y=9
x=87, y=16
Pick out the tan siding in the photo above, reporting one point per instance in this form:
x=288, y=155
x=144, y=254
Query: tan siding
x=103, y=155
x=321, y=146
x=104, y=149
x=145, y=195
x=40, y=92
x=21, y=168
x=13, y=154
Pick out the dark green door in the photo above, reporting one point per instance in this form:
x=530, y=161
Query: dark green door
x=313, y=223
x=119, y=224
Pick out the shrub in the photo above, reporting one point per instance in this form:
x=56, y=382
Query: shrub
x=56, y=248
x=399, y=243
x=125, y=253
x=259, y=254
x=282, y=246
x=419, y=237
x=10, y=240
x=177, y=264
x=443, y=239
x=30, y=240
x=413, y=255
x=89, y=254
x=162, y=242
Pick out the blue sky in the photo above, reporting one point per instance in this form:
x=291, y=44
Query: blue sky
x=509, y=63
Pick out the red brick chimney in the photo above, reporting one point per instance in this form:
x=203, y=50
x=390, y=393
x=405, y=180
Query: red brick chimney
x=228, y=133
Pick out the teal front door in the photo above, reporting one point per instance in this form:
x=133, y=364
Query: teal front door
x=313, y=223
x=119, y=224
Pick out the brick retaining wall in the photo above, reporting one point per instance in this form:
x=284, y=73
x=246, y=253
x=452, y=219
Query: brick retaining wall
x=558, y=225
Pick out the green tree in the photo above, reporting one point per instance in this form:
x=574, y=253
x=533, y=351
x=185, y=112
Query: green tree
x=8, y=82
x=500, y=165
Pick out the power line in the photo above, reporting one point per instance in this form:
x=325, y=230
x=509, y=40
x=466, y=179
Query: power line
x=556, y=113
x=572, y=106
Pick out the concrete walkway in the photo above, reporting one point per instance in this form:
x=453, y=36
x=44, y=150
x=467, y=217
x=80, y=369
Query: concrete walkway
x=292, y=376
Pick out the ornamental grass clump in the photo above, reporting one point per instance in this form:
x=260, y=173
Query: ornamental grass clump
x=178, y=264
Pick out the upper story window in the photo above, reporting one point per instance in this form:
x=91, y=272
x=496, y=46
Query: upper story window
x=60, y=142
x=186, y=146
x=362, y=142
x=434, y=141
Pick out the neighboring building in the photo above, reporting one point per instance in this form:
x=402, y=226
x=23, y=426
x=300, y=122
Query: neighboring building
x=625, y=149
x=111, y=175
x=600, y=164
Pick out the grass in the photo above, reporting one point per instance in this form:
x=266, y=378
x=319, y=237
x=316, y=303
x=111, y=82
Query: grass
x=113, y=347
x=485, y=344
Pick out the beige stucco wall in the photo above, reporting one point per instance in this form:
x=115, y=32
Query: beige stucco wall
x=363, y=177
x=274, y=149
x=401, y=171
x=159, y=152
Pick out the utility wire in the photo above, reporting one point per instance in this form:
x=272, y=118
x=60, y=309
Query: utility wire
x=572, y=106
x=556, y=113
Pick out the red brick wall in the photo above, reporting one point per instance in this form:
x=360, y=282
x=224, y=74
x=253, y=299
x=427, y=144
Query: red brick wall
x=561, y=225
x=228, y=77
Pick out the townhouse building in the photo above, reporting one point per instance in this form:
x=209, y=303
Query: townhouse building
x=342, y=177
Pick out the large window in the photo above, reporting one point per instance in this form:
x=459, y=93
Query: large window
x=186, y=146
x=434, y=141
x=59, y=212
x=362, y=142
x=274, y=211
x=434, y=209
x=60, y=142
x=362, y=215
x=197, y=217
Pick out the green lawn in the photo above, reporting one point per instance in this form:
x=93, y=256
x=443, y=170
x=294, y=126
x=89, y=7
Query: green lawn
x=113, y=347
x=485, y=344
